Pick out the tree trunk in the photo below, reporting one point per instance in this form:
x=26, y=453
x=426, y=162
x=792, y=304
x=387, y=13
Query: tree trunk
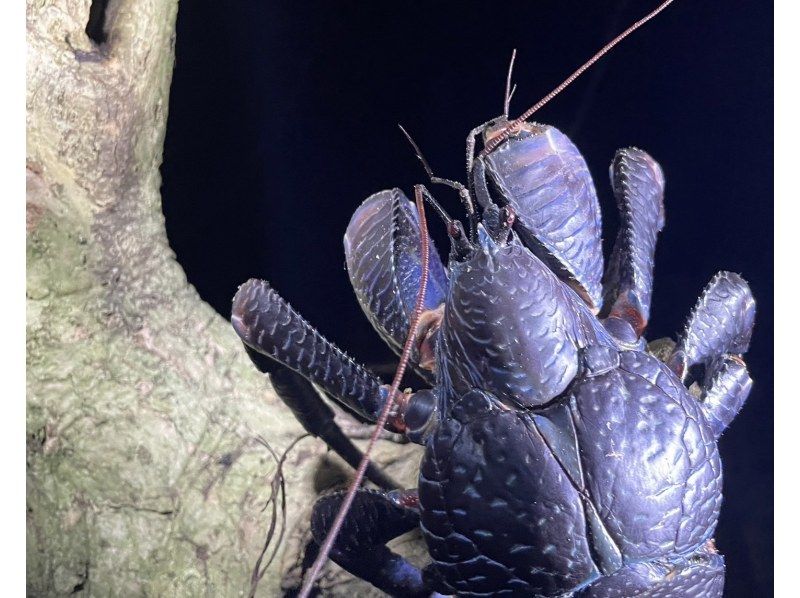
x=144, y=475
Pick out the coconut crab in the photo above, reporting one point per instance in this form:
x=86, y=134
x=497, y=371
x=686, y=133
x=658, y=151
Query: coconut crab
x=562, y=457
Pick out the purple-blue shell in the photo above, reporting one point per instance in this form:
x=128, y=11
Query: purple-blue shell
x=541, y=174
x=382, y=252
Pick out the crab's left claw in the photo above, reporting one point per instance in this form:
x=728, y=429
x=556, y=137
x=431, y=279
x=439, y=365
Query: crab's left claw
x=542, y=176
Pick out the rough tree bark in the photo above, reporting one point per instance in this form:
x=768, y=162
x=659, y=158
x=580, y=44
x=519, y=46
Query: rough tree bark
x=144, y=473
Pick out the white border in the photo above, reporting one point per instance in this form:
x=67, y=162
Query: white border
x=787, y=293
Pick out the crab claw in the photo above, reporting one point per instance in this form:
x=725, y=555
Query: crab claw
x=382, y=251
x=540, y=173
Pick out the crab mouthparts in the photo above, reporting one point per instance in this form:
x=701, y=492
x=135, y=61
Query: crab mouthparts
x=430, y=321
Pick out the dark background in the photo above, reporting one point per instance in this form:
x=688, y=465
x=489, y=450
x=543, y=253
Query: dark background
x=283, y=115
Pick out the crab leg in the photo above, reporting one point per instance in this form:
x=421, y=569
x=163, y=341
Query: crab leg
x=721, y=323
x=725, y=390
x=709, y=350
x=267, y=323
x=638, y=185
x=700, y=575
x=376, y=517
x=316, y=417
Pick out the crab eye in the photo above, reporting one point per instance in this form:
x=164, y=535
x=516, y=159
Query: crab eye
x=493, y=128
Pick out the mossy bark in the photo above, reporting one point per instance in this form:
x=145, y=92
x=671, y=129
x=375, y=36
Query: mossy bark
x=144, y=476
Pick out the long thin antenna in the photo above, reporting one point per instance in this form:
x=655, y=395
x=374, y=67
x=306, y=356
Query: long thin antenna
x=437, y=207
x=418, y=152
x=509, y=90
x=507, y=131
x=325, y=549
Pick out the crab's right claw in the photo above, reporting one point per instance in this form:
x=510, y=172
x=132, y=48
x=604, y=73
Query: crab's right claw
x=382, y=250
x=638, y=184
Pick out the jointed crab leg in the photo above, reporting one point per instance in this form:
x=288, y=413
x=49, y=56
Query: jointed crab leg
x=638, y=185
x=315, y=415
x=721, y=323
x=726, y=388
x=375, y=518
x=269, y=325
x=710, y=349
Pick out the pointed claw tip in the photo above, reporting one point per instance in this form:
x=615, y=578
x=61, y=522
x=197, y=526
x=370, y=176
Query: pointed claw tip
x=241, y=310
x=240, y=327
x=635, y=153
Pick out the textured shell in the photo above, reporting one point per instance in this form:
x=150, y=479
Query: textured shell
x=498, y=513
x=511, y=327
x=542, y=175
x=627, y=423
x=382, y=252
x=541, y=503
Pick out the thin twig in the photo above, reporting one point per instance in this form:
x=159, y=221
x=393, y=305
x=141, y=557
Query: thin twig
x=277, y=488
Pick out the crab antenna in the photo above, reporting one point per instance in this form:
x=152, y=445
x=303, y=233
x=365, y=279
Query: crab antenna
x=507, y=131
x=511, y=95
x=437, y=207
x=325, y=549
x=418, y=152
x=509, y=89
x=463, y=192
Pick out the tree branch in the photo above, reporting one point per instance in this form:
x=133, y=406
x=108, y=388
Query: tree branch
x=144, y=475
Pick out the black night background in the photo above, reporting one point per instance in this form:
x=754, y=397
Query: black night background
x=283, y=118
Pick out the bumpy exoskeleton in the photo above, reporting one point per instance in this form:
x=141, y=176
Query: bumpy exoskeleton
x=561, y=457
